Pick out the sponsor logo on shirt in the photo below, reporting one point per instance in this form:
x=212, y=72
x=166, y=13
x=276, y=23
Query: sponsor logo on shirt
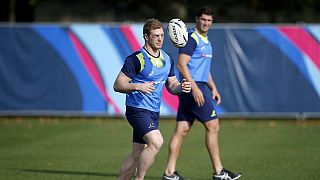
x=159, y=82
x=206, y=55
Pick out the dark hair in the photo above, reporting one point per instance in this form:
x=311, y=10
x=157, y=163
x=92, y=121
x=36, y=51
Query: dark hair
x=151, y=24
x=205, y=10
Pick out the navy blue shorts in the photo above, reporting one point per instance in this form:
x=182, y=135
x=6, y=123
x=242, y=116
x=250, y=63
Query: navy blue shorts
x=188, y=109
x=142, y=122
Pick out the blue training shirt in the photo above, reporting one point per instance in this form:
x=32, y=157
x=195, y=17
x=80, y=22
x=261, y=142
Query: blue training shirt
x=200, y=50
x=142, y=67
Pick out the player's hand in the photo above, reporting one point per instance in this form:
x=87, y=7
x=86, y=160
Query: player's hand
x=198, y=96
x=147, y=87
x=216, y=96
x=185, y=86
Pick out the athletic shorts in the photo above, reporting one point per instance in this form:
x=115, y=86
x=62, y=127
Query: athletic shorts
x=188, y=109
x=142, y=122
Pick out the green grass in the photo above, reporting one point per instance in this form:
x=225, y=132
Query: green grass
x=42, y=148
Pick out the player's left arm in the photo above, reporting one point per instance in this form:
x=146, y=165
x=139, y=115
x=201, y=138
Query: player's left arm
x=214, y=89
x=175, y=87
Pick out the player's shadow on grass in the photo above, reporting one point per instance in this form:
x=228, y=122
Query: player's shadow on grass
x=51, y=171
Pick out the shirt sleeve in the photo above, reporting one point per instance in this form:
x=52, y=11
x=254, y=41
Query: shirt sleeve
x=190, y=46
x=131, y=66
x=171, y=72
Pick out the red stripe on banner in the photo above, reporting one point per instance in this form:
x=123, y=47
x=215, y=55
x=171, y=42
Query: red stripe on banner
x=92, y=69
x=171, y=100
x=130, y=37
x=306, y=43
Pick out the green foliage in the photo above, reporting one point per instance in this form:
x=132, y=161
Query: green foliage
x=39, y=148
x=227, y=11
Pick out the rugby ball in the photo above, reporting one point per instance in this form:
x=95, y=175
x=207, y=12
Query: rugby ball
x=178, y=32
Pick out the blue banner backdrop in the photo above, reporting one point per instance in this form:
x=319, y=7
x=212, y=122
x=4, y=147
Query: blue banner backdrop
x=54, y=69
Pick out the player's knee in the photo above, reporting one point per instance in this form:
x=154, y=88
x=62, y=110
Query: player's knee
x=135, y=155
x=156, y=144
x=183, y=131
x=159, y=143
x=212, y=126
x=216, y=128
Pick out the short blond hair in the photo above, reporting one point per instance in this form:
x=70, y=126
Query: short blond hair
x=151, y=24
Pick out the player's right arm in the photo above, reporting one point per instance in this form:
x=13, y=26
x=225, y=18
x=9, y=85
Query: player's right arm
x=183, y=60
x=184, y=57
x=123, y=82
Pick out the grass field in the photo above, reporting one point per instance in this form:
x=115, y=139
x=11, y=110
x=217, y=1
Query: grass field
x=52, y=148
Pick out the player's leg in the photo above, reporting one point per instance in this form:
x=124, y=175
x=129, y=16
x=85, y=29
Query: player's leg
x=181, y=131
x=154, y=142
x=185, y=119
x=212, y=143
x=206, y=114
x=142, y=122
x=129, y=166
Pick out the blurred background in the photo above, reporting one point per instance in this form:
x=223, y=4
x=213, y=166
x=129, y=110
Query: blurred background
x=61, y=119
x=62, y=57
x=227, y=11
